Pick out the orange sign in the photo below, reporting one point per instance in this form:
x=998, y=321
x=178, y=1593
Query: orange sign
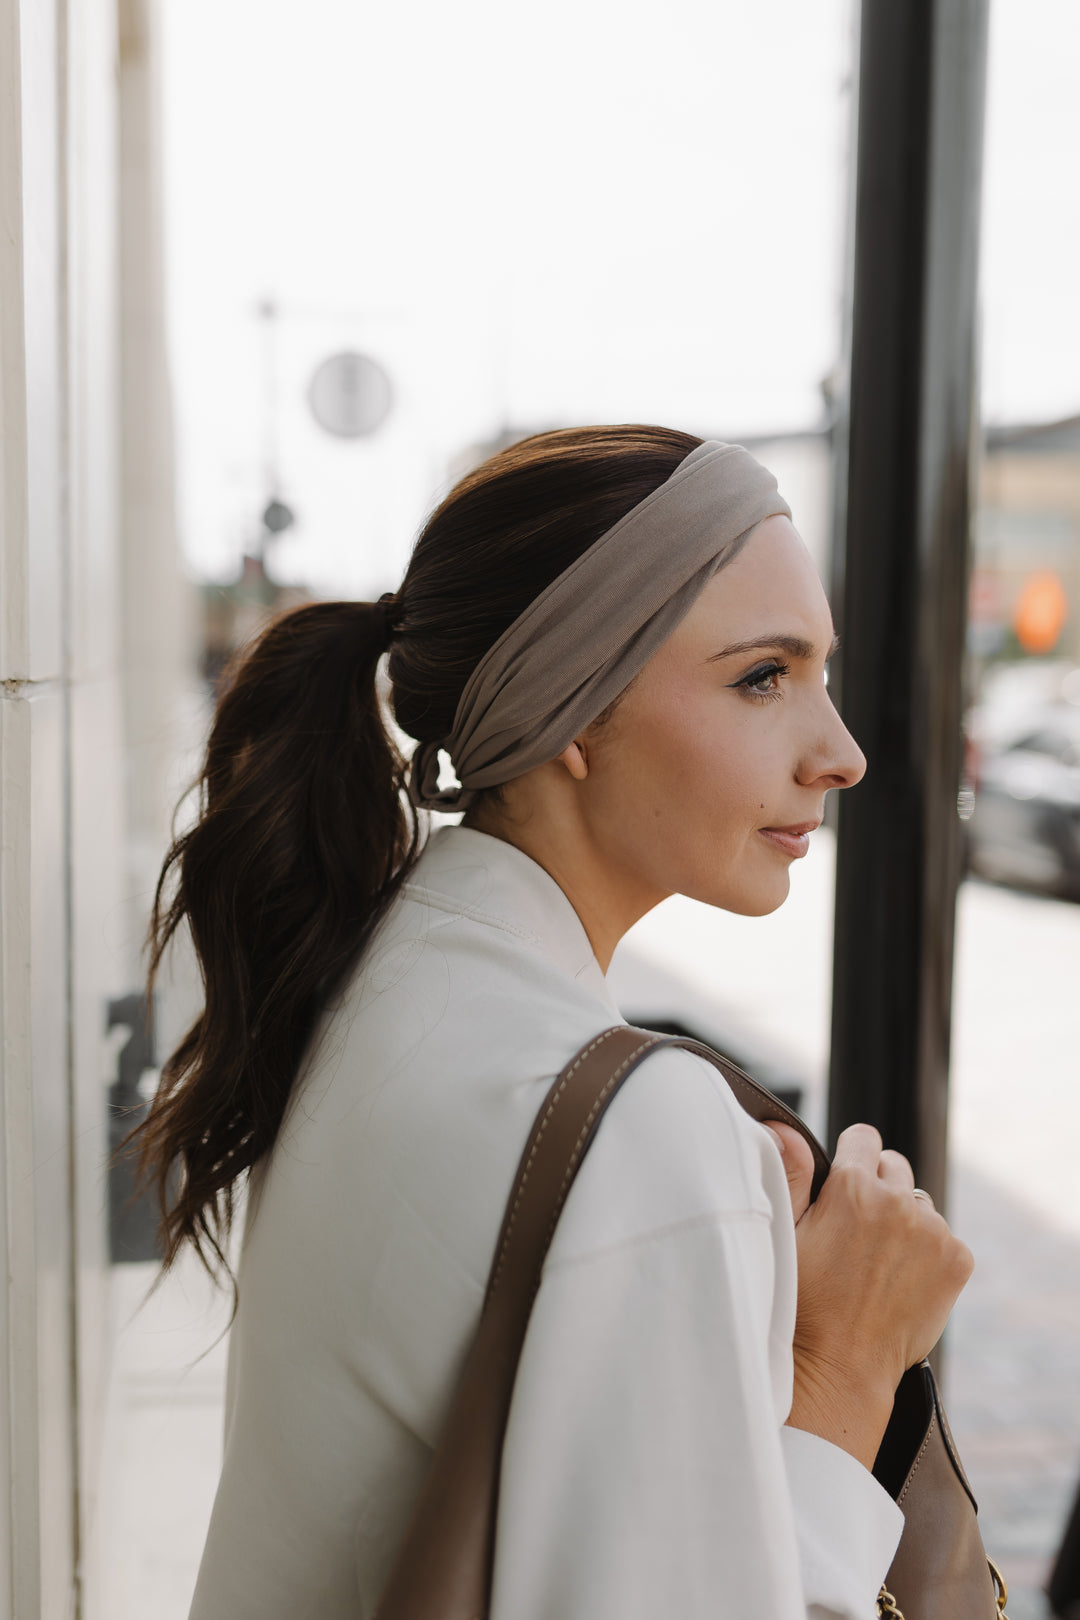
x=1040, y=612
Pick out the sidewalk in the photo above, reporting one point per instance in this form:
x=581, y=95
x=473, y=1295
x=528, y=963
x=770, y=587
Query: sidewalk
x=1012, y=1369
x=1012, y=1374
x=163, y=1440
x=1013, y=1351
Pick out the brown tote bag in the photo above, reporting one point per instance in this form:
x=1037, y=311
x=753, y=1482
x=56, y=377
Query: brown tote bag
x=443, y=1568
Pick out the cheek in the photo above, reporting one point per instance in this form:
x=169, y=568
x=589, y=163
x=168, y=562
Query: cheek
x=695, y=766
x=679, y=798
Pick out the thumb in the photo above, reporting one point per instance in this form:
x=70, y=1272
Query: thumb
x=798, y=1166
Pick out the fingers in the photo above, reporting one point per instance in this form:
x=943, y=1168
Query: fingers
x=879, y=1269
x=860, y=1165
x=798, y=1165
x=895, y=1171
x=963, y=1261
x=859, y=1147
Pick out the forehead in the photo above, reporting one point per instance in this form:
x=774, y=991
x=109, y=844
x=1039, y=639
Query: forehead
x=770, y=588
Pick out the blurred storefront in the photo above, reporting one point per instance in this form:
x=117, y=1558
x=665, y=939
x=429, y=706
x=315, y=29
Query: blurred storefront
x=1026, y=587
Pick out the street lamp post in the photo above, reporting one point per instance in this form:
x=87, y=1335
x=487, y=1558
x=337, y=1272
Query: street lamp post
x=902, y=586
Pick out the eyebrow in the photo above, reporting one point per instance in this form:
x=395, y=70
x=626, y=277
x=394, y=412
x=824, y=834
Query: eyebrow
x=794, y=646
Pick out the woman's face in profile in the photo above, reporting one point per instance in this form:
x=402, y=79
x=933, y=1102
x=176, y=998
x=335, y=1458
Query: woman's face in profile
x=714, y=767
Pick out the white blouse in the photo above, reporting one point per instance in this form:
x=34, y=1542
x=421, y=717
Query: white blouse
x=647, y=1471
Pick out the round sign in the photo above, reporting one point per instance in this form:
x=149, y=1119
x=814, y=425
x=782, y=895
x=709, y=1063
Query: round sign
x=278, y=517
x=350, y=395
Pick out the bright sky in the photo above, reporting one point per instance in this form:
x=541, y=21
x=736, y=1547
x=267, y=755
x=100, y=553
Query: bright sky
x=587, y=211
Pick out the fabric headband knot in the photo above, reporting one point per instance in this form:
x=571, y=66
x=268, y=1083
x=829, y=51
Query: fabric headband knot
x=584, y=638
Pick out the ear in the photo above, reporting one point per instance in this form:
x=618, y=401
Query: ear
x=576, y=760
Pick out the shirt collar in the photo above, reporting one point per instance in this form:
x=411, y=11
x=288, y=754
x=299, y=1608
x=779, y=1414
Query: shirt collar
x=487, y=878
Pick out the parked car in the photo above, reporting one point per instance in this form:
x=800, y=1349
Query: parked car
x=1024, y=826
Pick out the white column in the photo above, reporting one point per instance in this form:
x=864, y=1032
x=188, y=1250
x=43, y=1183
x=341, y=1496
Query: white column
x=158, y=602
x=37, y=1497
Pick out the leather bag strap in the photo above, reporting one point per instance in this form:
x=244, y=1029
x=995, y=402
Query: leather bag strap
x=443, y=1569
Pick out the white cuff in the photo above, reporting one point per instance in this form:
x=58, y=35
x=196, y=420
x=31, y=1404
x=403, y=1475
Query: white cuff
x=847, y=1526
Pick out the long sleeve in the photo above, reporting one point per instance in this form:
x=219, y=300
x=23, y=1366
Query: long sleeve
x=645, y=1440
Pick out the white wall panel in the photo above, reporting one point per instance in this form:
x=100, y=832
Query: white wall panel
x=90, y=663
x=14, y=564
x=41, y=220
x=159, y=603
x=103, y=955
x=48, y=1173
x=19, y=1567
x=65, y=945
x=93, y=316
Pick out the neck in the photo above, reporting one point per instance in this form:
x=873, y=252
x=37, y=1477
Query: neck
x=608, y=901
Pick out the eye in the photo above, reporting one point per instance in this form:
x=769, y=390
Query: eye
x=763, y=682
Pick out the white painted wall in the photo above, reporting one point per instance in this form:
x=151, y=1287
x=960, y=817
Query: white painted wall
x=86, y=567
x=38, y=1499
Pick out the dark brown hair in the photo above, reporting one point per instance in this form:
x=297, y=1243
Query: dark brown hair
x=305, y=831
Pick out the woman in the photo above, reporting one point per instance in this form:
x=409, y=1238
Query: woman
x=620, y=641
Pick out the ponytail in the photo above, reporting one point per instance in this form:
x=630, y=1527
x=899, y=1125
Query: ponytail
x=303, y=838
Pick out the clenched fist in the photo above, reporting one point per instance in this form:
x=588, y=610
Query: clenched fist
x=879, y=1272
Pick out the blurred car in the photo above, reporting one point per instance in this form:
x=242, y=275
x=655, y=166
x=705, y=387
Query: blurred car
x=1024, y=826
x=1013, y=694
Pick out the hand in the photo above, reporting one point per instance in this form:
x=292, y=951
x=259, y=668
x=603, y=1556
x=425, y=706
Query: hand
x=798, y=1165
x=879, y=1272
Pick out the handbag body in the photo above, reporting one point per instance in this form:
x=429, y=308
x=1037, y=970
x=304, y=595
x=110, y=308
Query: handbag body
x=443, y=1567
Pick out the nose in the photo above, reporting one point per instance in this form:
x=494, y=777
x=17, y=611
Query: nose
x=837, y=761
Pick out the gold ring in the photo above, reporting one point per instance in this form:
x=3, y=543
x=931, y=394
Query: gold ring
x=924, y=1197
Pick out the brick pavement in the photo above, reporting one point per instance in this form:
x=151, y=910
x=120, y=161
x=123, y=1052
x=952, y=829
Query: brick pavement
x=1012, y=1380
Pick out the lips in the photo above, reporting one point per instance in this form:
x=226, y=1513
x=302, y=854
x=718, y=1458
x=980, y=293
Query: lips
x=794, y=840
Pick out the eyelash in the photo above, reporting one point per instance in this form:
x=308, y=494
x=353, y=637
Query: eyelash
x=763, y=673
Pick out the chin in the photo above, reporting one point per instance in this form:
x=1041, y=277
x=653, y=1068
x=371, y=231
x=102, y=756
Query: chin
x=762, y=902
x=758, y=901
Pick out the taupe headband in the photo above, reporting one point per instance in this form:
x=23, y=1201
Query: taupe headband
x=585, y=637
